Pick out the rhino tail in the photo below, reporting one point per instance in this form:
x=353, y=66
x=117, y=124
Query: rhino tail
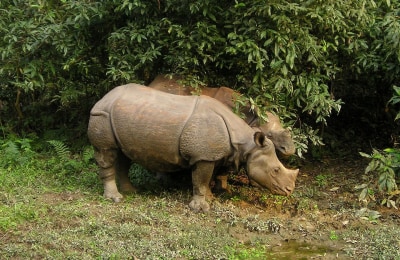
x=99, y=113
x=100, y=131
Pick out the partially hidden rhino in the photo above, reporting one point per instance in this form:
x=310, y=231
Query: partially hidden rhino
x=273, y=129
x=169, y=133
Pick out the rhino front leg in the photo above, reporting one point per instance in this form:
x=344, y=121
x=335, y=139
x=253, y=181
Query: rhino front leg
x=221, y=183
x=107, y=161
x=221, y=180
x=201, y=176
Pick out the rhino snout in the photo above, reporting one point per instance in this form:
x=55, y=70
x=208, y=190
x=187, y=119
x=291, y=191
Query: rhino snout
x=283, y=150
x=280, y=181
x=289, y=188
x=285, y=191
x=286, y=149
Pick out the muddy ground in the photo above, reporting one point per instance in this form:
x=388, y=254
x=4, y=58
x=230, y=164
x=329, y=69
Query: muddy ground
x=324, y=218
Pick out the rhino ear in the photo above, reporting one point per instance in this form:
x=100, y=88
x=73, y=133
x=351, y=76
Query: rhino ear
x=259, y=139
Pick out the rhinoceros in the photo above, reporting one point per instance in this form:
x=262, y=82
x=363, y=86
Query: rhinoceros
x=273, y=129
x=169, y=133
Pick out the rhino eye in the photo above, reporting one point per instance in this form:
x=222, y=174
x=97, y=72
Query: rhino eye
x=276, y=170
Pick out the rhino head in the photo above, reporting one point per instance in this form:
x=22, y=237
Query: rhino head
x=265, y=170
x=281, y=138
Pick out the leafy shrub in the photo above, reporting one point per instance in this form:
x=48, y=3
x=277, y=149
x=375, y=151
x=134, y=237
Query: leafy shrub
x=396, y=99
x=71, y=163
x=15, y=152
x=387, y=164
x=286, y=56
x=142, y=177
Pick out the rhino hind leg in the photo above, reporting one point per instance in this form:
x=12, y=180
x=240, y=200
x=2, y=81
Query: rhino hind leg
x=201, y=176
x=108, y=156
x=123, y=165
x=107, y=161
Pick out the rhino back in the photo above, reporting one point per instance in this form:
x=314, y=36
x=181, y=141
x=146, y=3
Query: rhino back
x=105, y=104
x=148, y=125
x=225, y=95
x=165, y=84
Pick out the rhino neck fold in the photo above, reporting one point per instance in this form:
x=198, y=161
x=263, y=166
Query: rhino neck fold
x=241, y=137
x=253, y=121
x=184, y=126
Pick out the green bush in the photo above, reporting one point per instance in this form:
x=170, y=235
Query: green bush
x=16, y=152
x=386, y=164
x=396, y=100
x=291, y=57
x=71, y=163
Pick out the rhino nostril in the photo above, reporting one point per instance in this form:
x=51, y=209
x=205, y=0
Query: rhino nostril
x=289, y=189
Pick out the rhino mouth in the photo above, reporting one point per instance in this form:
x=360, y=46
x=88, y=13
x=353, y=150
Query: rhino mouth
x=275, y=189
x=286, y=191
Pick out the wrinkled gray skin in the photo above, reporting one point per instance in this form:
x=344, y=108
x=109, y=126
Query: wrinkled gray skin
x=170, y=133
x=273, y=129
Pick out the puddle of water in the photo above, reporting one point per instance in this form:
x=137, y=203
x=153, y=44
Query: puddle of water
x=293, y=249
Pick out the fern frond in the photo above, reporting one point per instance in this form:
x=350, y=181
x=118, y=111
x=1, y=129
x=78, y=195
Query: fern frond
x=10, y=148
x=61, y=149
x=87, y=154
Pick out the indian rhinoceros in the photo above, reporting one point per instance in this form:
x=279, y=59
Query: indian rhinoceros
x=273, y=129
x=169, y=133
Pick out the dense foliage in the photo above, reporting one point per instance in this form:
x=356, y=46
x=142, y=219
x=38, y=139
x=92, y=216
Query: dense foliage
x=386, y=164
x=297, y=58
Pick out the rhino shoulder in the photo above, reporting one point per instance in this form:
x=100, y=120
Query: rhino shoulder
x=205, y=136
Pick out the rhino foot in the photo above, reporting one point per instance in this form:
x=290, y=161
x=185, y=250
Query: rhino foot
x=199, y=203
x=116, y=197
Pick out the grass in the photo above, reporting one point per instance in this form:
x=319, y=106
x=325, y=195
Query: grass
x=119, y=231
x=52, y=207
x=67, y=218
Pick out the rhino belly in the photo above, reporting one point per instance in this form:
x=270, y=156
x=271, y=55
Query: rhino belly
x=148, y=130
